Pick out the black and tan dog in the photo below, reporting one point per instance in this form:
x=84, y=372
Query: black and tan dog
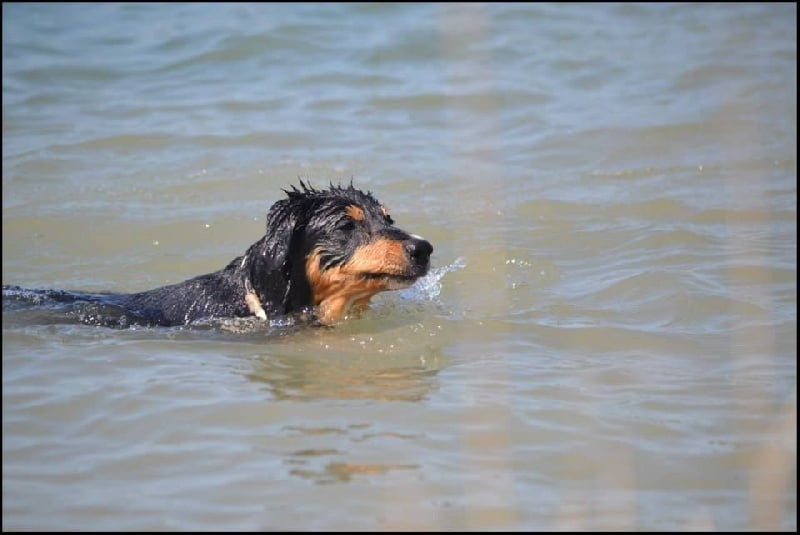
x=325, y=251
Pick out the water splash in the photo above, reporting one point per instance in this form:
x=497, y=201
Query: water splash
x=428, y=287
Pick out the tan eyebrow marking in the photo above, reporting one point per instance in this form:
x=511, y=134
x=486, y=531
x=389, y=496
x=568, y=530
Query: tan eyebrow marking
x=355, y=212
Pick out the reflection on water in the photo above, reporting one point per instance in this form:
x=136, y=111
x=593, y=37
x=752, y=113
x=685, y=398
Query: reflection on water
x=381, y=376
x=330, y=465
x=343, y=472
x=328, y=370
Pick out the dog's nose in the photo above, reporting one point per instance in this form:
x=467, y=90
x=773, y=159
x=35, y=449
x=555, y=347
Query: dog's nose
x=419, y=250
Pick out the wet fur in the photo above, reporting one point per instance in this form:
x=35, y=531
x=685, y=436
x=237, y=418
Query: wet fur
x=325, y=252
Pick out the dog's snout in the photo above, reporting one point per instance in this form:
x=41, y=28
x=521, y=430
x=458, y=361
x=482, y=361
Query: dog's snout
x=419, y=250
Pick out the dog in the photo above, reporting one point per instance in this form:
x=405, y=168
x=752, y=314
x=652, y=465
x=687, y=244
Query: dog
x=325, y=252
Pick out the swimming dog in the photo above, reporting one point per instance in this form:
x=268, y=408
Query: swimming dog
x=325, y=251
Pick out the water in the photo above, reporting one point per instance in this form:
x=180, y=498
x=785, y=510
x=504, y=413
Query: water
x=607, y=337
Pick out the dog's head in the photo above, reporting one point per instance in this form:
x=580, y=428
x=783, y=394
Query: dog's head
x=338, y=247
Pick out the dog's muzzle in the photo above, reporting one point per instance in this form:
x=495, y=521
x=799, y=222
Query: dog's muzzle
x=419, y=251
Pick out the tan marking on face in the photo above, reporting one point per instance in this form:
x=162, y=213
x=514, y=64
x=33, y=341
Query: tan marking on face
x=356, y=213
x=335, y=290
x=383, y=256
x=384, y=211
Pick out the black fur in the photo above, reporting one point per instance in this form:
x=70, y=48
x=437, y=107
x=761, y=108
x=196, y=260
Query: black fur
x=273, y=268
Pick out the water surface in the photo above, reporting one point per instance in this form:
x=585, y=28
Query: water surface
x=609, y=340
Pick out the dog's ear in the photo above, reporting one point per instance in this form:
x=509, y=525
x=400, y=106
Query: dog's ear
x=277, y=262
